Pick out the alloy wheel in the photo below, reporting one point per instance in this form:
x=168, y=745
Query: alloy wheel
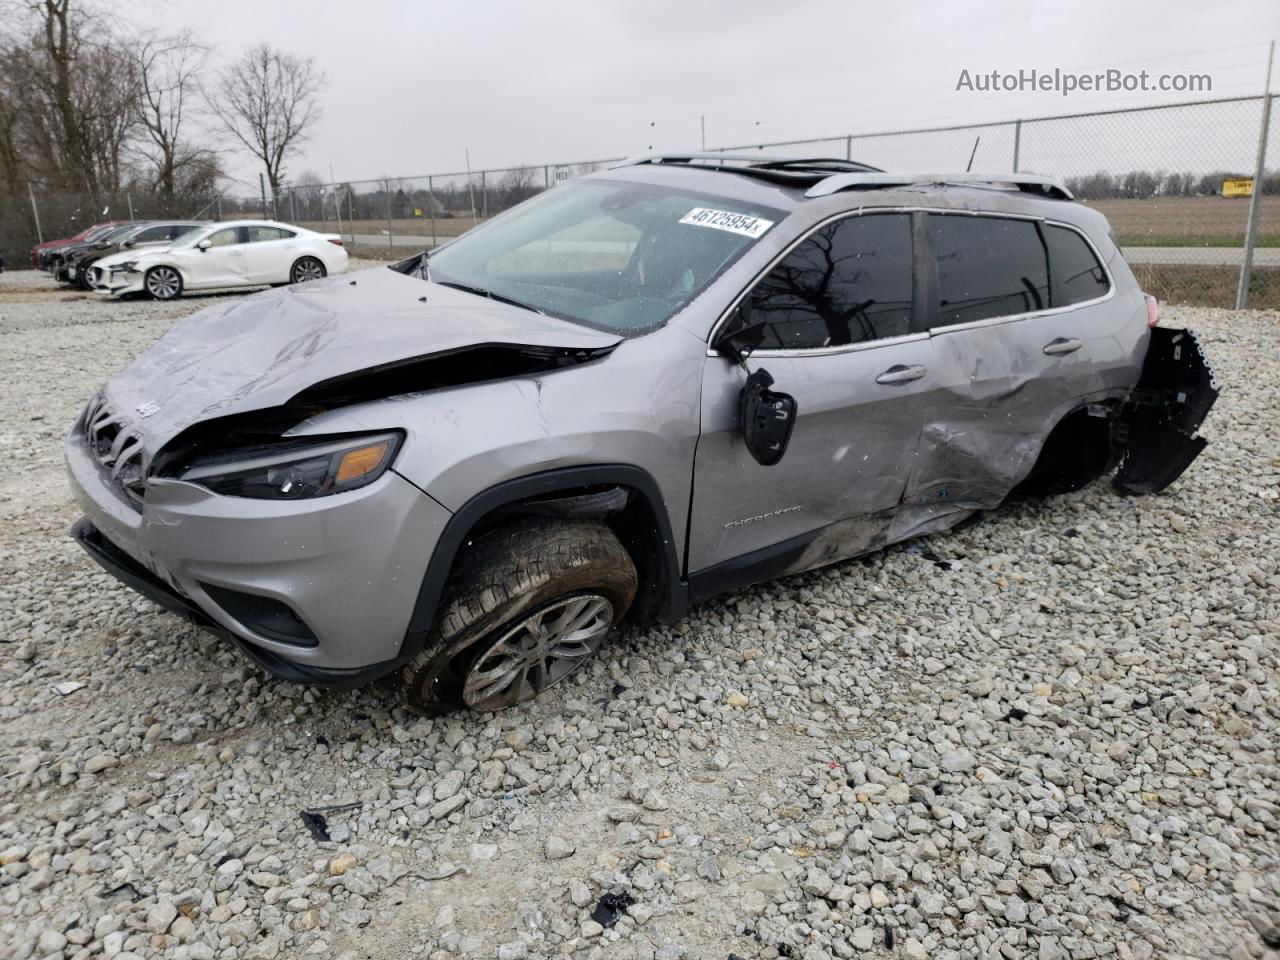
x=308, y=269
x=538, y=652
x=163, y=283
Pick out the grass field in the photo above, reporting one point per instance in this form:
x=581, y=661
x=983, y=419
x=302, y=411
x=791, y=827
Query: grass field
x=1190, y=221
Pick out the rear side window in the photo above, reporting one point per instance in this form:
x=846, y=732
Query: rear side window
x=848, y=282
x=1077, y=274
x=987, y=267
x=152, y=234
x=263, y=234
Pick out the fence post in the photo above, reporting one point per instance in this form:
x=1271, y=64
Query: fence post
x=218, y=197
x=386, y=192
x=484, y=198
x=1251, y=229
x=35, y=212
x=431, y=209
x=128, y=197
x=546, y=178
x=1017, y=143
x=848, y=148
x=351, y=213
x=293, y=206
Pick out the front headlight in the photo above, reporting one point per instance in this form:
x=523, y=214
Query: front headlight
x=128, y=267
x=297, y=471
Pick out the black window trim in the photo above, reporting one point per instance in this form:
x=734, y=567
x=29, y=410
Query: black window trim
x=924, y=281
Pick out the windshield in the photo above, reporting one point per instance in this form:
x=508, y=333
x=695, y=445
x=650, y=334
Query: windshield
x=622, y=257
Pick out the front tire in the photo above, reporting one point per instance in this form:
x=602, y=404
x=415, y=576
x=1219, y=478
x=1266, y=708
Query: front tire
x=526, y=606
x=306, y=269
x=163, y=283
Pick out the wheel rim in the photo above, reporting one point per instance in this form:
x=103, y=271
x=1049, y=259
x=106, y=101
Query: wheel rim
x=307, y=270
x=538, y=652
x=162, y=283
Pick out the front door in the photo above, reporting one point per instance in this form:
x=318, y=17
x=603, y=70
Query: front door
x=839, y=339
x=222, y=264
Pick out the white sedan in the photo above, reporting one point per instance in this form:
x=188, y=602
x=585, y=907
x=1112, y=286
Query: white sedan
x=239, y=253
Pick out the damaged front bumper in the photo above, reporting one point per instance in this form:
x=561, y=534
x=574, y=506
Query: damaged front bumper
x=1154, y=436
x=114, y=281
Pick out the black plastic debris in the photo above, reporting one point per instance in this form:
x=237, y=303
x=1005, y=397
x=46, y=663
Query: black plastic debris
x=936, y=560
x=784, y=950
x=123, y=890
x=316, y=823
x=888, y=938
x=610, y=907
x=1015, y=713
x=1071, y=532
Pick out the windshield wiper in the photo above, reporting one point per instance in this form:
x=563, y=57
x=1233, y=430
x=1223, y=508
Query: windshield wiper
x=482, y=292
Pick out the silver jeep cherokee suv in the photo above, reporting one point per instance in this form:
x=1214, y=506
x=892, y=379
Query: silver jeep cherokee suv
x=630, y=393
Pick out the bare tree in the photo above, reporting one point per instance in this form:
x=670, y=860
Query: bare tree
x=168, y=71
x=269, y=100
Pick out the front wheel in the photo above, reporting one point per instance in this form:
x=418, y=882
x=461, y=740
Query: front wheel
x=526, y=606
x=163, y=283
x=308, y=268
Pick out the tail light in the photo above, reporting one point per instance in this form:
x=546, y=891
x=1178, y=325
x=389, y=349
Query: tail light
x=336, y=241
x=1153, y=310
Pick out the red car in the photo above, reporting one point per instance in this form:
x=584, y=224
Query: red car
x=88, y=233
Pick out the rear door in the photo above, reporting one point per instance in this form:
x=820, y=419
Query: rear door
x=270, y=253
x=1021, y=335
x=840, y=340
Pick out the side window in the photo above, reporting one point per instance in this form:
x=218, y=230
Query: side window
x=987, y=267
x=152, y=234
x=1077, y=274
x=225, y=238
x=849, y=282
x=262, y=234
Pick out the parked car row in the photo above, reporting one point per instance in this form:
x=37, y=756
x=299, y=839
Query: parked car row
x=165, y=258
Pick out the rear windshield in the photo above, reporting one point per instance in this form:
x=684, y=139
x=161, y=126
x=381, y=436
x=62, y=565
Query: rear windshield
x=622, y=257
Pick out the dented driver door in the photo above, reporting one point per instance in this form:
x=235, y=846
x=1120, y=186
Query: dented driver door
x=836, y=314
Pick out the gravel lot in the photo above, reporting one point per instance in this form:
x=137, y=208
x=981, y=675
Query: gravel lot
x=1052, y=734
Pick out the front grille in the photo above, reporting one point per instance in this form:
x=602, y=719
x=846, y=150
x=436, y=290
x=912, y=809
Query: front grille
x=117, y=447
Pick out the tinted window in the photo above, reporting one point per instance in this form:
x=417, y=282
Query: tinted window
x=987, y=267
x=1077, y=275
x=848, y=282
x=224, y=238
x=151, y=234
x=260, y=234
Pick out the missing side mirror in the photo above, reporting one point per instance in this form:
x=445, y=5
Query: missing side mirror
x=767, y=418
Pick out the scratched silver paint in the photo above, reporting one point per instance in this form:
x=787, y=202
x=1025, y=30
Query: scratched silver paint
x=868, y=464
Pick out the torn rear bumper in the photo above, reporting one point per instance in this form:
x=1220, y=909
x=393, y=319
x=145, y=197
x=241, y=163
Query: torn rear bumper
x=1154, y=437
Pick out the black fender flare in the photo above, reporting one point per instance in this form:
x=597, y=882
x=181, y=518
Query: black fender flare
x=666, y=592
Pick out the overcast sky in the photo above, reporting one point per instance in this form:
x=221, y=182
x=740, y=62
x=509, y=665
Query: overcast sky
x=411, y=84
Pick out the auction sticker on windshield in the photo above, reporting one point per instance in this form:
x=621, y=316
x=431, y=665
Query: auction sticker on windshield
x=742, y=223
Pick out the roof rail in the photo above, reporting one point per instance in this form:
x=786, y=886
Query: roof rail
x=753, y=161
x=1050, y=187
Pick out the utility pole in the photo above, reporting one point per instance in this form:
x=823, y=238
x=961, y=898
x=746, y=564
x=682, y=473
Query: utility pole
x=1251, y=231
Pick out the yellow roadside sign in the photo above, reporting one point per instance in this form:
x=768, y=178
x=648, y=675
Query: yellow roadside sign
x=1240, y=187
x=417, y=211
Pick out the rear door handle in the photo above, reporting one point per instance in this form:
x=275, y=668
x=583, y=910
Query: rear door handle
x=901, y=374
x=1062, y=345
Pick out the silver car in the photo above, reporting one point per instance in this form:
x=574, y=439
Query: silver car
x=630, y=393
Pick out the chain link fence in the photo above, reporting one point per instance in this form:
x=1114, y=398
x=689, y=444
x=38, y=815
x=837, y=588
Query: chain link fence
x=1162, y=176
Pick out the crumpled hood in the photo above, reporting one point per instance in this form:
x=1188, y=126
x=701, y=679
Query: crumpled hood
x=262, y=350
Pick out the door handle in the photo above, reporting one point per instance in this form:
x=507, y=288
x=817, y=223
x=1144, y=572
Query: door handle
x=1062, y=345
x=901, y=374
